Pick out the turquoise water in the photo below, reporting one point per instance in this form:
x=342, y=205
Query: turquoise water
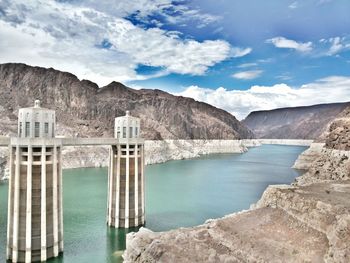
x=178, y=193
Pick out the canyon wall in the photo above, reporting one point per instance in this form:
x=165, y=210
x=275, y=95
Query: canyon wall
x=307, y=122
x=156, y=151
x=308, y=221
x=85, y=110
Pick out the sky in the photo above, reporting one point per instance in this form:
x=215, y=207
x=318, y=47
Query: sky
x=238, y=55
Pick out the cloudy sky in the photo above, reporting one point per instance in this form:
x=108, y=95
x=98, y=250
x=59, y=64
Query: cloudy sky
x=239, y=55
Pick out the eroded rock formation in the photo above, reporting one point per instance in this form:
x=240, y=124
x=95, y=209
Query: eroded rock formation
x=308, y=221
x=83, y=109
x=307, y=122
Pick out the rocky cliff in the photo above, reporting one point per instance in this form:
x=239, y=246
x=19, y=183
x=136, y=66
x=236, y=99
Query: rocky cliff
x=339, y=132
x=294, y=123
x=308, y=221
x=83, y=109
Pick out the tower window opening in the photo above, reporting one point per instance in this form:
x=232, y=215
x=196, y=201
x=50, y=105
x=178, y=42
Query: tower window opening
x=20, y=129
x=46, y=127
x=36, y=129
x=130, y=132
x=118, y=132
x=124, y=132
x=27, y=131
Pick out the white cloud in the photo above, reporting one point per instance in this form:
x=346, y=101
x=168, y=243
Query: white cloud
x=293, y=5
x=284, y=77
x=246, y=75
x=237, y=52
x=242, y=102
x=338, y=45
x=281, y=42
x=247, y=65
x=69, y=36
x=184, y=14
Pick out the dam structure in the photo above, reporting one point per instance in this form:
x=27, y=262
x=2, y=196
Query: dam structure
x=35, y=211
x=126, y=202
x=35, y=228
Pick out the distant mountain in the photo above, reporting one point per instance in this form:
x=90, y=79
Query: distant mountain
x=307, y=122
x=84, y=109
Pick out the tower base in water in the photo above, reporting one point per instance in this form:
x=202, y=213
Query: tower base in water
x=126, y=184
x=35, y=222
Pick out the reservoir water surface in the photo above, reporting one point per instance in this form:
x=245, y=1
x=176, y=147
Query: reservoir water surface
x=178, y=194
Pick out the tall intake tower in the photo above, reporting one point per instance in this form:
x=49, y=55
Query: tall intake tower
x=126, y=195
x=35, y=222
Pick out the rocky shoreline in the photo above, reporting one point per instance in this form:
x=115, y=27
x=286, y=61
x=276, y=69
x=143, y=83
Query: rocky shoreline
x=308, y=221
x=156, y=151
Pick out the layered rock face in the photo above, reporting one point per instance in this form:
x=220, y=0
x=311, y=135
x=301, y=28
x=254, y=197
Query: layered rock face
x=156, y=151
x=83, y=109
x=294, y=123
x=162, y=151
x=254, y=236
x=334, y=161
x=306, y=158
x=339, y=132
x=308, y=221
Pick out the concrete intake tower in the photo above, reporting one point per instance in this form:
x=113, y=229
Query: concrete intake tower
x=35, y=222
x=126, y=195
x=35, y=213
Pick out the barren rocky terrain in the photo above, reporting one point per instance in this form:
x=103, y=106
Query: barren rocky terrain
x=308, y=221
x=84, y=109
x=307, y=122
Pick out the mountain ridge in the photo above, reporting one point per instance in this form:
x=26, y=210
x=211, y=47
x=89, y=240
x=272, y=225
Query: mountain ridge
x=85, y=109
x=304, y=122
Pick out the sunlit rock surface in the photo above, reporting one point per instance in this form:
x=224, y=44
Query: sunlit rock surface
x=307, y=122
x=308, y=221
x=85, y=110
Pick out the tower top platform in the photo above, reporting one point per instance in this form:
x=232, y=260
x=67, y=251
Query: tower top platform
x=127, y=127
x=36, y=122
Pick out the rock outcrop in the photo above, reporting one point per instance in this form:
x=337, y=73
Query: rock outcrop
x=307, y=122
x=162, y=151
x=254, y=236
x=339, y=132
x=324, y=207
x=334, y=161
x=306, y=158
x=85, y=110
x=308, y=221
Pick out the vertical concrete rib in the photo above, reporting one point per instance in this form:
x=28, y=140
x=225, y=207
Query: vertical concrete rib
x=112, y=195
x=60, y=199
x=110, y=188
x=43, y=203
x=16, y=207
x=117, y=190
x=28, y=253
x=9, y=210
x=142, y=184
x=127, y=186
x=136, y=188
x=55, y=201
